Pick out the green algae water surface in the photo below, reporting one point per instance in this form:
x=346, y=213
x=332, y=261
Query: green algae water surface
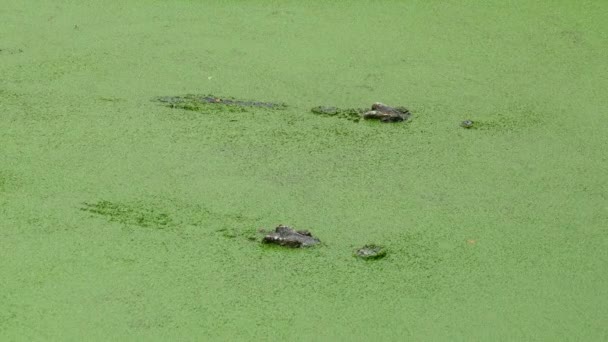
x=123, y=219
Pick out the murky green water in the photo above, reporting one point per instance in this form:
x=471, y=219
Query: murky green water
x=123, y=219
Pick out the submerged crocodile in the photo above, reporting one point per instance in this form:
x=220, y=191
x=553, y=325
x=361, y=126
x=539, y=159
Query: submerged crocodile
x=203, y=102
x=467, y=124
x=379, y=111
x=370, y=252
x=348, y=114
x=289, y=237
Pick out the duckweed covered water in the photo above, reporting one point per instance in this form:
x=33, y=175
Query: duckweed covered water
x=124, y=219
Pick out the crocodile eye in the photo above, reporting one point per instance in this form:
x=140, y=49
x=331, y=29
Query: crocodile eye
x=466, y=124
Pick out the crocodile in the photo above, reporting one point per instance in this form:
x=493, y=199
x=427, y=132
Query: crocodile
x=204, y=102
x=370, y=252
x=379, y=111
x=289, y=237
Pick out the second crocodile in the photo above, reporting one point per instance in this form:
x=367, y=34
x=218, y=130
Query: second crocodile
x=204, y=102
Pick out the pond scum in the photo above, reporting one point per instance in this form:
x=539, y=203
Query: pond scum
x=139, y=215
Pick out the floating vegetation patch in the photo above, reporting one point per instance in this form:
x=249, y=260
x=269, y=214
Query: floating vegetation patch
x=206, y=103
x=7, y=315
x=6, y=51
x=111, y=99
x=351, y=114
x=138, y=215
x=233, y=233
x=7, y=181
x=3, y=182
x=420, y=252
x=515, y=120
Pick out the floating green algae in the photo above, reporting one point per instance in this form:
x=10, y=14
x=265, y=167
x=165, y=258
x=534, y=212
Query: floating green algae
x=130, y=214
x=495, y=233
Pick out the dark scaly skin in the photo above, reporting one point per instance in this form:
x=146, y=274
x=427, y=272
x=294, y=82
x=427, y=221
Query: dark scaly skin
x=289, y=237
x=325, y=110
x=386, y=113
x=379, y=111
